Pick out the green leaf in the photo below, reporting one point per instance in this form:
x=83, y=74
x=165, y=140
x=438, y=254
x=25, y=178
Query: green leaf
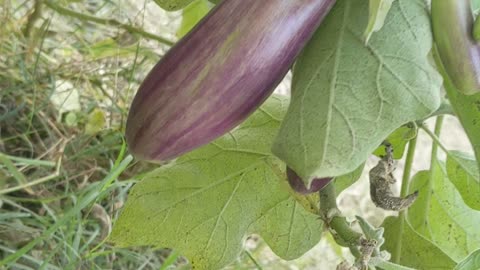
x=441, y=215
x=399, y=139
x=417, y=252
x=171, y=5
x=463, y=173
x=475, y=5
x=472, y=262
x=192, y=14
x=209, y=200
x=372, y=233
x=347, y=97
x=417, y=213
x=386, y=265
x=378, y=10
x=344, y=181
x=467, y=109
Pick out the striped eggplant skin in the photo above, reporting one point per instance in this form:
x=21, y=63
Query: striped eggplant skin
x=297, y=184
x=218, y=74
x=452, y=22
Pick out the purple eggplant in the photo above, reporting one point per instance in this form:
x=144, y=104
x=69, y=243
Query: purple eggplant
x=452, y=23
x=218, y=74
x=297, y=184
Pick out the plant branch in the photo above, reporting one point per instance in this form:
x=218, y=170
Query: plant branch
x=36, y=14
x=397, y=251
x=435, y=144
x=341, y=231
x=112, y=22
x=434, y=137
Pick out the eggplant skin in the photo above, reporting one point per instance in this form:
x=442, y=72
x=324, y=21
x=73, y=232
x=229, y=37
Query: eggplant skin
x=452, y=24
x=297, y=184
x=218, y=74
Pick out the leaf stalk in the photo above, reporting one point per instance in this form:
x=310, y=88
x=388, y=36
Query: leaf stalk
x=396, y=253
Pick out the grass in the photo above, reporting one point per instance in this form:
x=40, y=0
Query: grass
x=65, y=84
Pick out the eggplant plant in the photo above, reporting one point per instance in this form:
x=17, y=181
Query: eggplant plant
x=367, y=78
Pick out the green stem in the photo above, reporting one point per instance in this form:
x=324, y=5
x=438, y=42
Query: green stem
x=339, y=224
x=112, y=22
x=250, y=256
x=435, y=138
x=37, y=12
x=435, y=144
x=433, y=159
x=396, y=253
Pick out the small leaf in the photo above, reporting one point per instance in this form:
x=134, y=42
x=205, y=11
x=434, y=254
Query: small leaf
x=442, y=216
x=344, y=181
x=399, y=139
x=472, y=262
x=95, y=122
x=209, y=200
x=417, y=251
x=192, y=14
x=372, y=233
x=378, y=10
x=171, y=5
x=347, y=97
x=463, y=173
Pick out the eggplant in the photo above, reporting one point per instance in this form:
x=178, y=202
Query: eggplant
x=452, y=22
x=218, y=74
x=297, y=184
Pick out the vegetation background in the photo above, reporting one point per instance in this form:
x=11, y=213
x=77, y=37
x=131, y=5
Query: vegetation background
x=68, y=72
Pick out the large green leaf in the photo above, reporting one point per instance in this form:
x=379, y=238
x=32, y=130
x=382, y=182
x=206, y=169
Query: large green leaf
x=467, y=109
x=378, y=10
x=418, y=212
x=463, y=173
x=441, y=215
x=472, y=262
x=386, y=265
x=475, y=5
x=417, y=251
x=347, y=97
x=205, y=203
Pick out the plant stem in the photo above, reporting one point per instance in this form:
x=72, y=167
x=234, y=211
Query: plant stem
x=338, y=223
x=37, y=12
x=433, y=158
x=396, y=253
x=112, y=22
x=435, y=138
x=250, y=256
x=436, y=141
x=435, y=144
